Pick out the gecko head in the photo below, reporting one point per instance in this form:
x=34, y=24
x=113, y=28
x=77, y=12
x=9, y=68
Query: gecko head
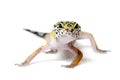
x=69, y=28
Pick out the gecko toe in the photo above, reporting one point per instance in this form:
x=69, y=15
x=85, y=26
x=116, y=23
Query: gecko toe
x=22, y=64
x=104, y=51
x=68, y=66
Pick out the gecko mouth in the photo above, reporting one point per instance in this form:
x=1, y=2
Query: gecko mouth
x=66, y=34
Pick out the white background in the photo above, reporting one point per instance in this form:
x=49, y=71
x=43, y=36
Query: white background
x=100, y=17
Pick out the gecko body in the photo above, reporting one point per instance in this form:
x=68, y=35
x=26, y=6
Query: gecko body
x=62, y=37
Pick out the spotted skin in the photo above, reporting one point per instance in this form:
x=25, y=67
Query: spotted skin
x=62, y=37
x=62, y=27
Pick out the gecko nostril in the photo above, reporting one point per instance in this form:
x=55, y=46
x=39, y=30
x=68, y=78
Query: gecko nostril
x=66, y=29
x=71, y=30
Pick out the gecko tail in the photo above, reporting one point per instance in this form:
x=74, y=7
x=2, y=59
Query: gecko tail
x=39, y=34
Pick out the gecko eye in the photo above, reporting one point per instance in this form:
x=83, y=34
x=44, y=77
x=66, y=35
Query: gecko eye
x=76, y=26
x=60, y=26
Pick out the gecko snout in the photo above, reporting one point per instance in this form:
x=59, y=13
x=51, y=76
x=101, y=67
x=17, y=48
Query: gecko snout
x=69, y=30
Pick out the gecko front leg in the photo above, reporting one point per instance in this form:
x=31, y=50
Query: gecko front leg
x=30, y=57
x=77, y=59
x=86, y=35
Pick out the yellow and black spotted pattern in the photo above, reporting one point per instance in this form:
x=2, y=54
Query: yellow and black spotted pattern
x=63, y=27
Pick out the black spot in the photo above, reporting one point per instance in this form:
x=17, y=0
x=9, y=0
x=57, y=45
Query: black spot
x=69, y=25
x=54, y=26
x=59, y=29
x=60, y=26
x=72, y=30
x=76, y=26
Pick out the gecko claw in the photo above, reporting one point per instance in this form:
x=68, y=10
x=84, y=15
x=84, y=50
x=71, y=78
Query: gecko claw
x=22, y=64
x=68, y=66
x=103, y=51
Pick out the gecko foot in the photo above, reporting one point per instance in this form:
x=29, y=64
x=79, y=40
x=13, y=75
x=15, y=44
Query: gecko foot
x=103, y=51
x=51, y=52
x=22, y=64
x=68, y=66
